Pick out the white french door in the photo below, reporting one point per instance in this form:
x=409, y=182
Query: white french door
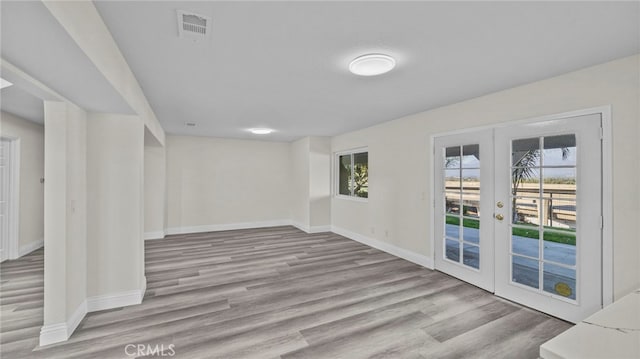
x=518, y=212
x=464, y=199
x=548, y=243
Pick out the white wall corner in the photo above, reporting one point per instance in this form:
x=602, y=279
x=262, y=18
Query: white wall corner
x=227, y=227
x=53, y=333
x=60, y=332
x=301, y=226
x=77, y=316
x=311, y=229
x=413, y=257
x=143, y=290
x=30, y=247
x=319, y=229
x=117, y=300
x=154, y=235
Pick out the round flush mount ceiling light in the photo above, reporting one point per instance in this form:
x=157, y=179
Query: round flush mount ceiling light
x=260, y=131
x=372, y=64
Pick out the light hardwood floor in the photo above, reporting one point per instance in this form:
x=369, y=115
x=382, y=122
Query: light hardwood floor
x=278, y=292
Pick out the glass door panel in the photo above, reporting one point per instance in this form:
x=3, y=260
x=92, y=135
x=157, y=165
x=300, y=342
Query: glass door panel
x=552, y=238
x=464, y=247
x=542, y=167
x=462, y=202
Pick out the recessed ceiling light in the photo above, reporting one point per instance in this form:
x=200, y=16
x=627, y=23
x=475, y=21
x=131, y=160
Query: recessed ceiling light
x=4, y=83
x=260, y=131
x=372, y=64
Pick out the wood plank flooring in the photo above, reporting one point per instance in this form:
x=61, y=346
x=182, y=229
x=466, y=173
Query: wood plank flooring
x=279, y=292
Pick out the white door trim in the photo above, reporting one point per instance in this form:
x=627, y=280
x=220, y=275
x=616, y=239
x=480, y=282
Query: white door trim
x=14, y=197
x=607, y=184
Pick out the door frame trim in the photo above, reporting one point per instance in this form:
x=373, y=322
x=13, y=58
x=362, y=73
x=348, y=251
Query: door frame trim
x=607, y=183
x=14, y=197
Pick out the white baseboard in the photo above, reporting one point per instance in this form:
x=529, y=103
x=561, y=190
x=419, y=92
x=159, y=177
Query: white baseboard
x=144, y=288
x=153, y=235
x=227, y=227
x=300, y=226
x=310, y=229
x=319, y=229
x=30, y=247
x=53, y=333
x=60, y=332
x=117, y=300
x=77, y=316
x=386, y=247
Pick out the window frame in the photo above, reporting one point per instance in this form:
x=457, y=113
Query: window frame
x=336, y=174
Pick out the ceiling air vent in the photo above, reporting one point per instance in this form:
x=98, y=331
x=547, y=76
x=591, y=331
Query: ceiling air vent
x=193, y=26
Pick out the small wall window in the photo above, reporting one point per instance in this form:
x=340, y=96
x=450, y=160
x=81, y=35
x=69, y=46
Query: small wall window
x=353, y=174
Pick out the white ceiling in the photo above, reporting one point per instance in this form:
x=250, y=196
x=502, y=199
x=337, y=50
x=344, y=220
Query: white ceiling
x=284, y=64
x=21, y=103
x=35, y=42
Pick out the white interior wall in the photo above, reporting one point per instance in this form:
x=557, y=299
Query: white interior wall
x=115, y=157
x=55, y=279
x=154, y=188
x=31, y=214
x=211, y=183
x=398, y=211
x=64, y=220
x=310, y=184
x=319, y=183
x=300, y=183
x=76, y=261
x=217, y=183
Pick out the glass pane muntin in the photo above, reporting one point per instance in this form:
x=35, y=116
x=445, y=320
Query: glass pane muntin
x=544, y=201
x=461, y=166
